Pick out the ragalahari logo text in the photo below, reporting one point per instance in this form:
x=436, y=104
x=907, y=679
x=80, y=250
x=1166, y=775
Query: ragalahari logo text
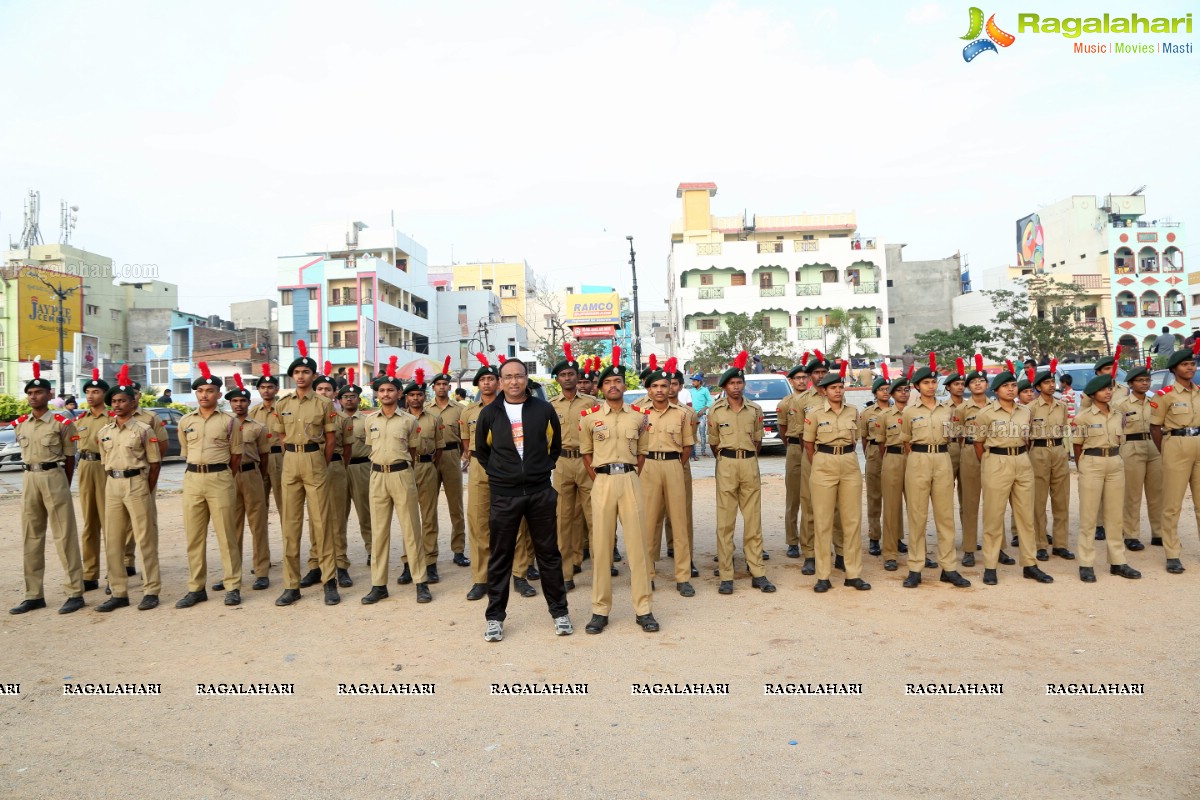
x=995, y=36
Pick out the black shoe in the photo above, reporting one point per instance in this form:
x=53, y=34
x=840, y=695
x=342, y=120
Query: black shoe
x=459, y=560
x=809, y=567
x=368, y=559
x=1124, y=570
x=613, y=572
x=859, y=584
x=261, y=583
x=873, y=548
x=423, y=594
x=839, y=563
x=431, y=574
x=912, y=581
x=902, y=547
x=376, y=594
x=1174, y=566
x=89, y=586
x=890, y=565
x=715, y=558
x=617, y=554
x=219, y=586
x=523, y=588
x=954, y=578
x=478, y=591
x=1063, y=553
x=822, y=586
x=191, y=598
x=968, y=559
x=766, y=556
x=695, y=572
x=288, y=597
x=1042, y=555
x=1014, y=541
x=568, y=585
x=670, y=552
x=130, y=571
x=685, y=589
x=405, y=577
x=989, y=577
x=929, y=563
x=72, y=605
x=726, y=587
x=652, y=584
x=1036, y=574
x=793, y=551
x=1130, y=544
x=344, y=580
x=1100, y=536
x=1087, y=574
x=332, y=598
x=576, y=569
x=647, y=622
x=762, y=584
x=532, y=574
x=1049, y=539
x=716, y=573
x=311, y=578
x=1006, y=559
x=148, y=602
x=586, y=554
x=1156, y=541
x=233, y=597
x=112, y=604
x=596, y=624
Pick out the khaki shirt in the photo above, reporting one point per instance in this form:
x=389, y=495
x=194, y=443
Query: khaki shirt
x=1178, y=408
x=256, y=441
x=1049, y=419
x=823, y=425
x=390, y=438
x=157, y=425
x=921, y=425
x=356, y=435
x=693, y=420
x=790, y=412
x=735, y=430
x=613, y=436
x=870, y=423
x=129, y=446
x=50, y=438
x=1095, y=429
x=889, y=422
x=304, y=420
x=956, y=418
x=970, y=411
x=449, y=417
x=669, y=430
x=428, y=437
x=995, y=427
x=87, y=426
x=569, y=413
x=261, y=413
x=1137, y=413
x=1120, y=393
x=209, y=441
x=466, y=425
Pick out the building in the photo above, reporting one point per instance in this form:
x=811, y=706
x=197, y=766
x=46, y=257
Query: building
x=511, y=281
x=469, y=322
x=921, y=294
x=797, y=269
x=176, y=341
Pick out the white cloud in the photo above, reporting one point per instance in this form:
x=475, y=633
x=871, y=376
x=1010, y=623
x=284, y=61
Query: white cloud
x=925, y=13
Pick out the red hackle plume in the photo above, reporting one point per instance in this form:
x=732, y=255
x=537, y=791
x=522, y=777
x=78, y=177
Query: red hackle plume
x=1030, y=374
x=653, y=362
x=616, y=355
x=482, y=359
x=741, y=360
x=350, y=376
x=820, y=356
x=237, y=379
x=912, y=368
x=1196, y=346
x=445, y=367
x=1053, y=366
x=302, y=346
x=567, y=351
x=979, y=362
x=266, y=370
x=960, y=366
x=804, y=359
x=391, y=367
x=419, y=376
x=328, y=369
x=501, y=358
x=205, y=372
x=932, y=361
x=842, y=369
x=95, y=373
x=1117, y=355
x=671, y=366
x=1149, y=363
x=887, y=375
x=37, y=367
x=123, y=376
x=1009, y=366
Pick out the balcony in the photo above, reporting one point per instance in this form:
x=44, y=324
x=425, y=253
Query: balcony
x=708, y=248
x=1090, y=281
x=866, y=288
x=770, y=247
x=803, y=289
x=708, y=336
x=711, y=293
x=862, y=244
x=770, y=291
x=806, y=245
x=806, y=334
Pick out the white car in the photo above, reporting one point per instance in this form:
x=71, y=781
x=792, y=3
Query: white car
x=767, y=390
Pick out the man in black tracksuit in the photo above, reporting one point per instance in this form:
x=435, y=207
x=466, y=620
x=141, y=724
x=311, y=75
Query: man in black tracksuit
x=517, y=441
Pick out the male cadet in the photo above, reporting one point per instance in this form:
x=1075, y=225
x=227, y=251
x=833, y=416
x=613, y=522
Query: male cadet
x=571, y=478
x=1002, y=431
x=131, y=458
x=479, y=497
x=91, y=476
x=1142, y=461
x=829, y=433
x=817, y=369
x=391, y=435
x=870, y=431
x=613, y=440
x=250, y=504
x=587, y=385
x=1096, y=436
x=1175, y=428
x=210, y=441
x=47, y=444
x=337, y=493
x=891, y=478
x=793, y=466
x=926, y=428
x=694, y=422
x=358, y=468
x=969, y=469
x=303, y=422
x=1108, y=366
x=160, y=433
x=427, y=441
x=1050, y=464
x=449, y=471
x=268, y=388
x=735, y=435
x=1025, y=390
x=956, y=385
x=670, y=438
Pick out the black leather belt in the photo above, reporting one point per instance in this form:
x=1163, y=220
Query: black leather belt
x=570, y=453
x=360, y=460
x=737, y=453
x=451, y=446
x=399, y=466
x=968, y=440
x=311, y=447
x=930, y=448
x=1184, y=432
x=659, y=455
x=1047, y=442
x=1102, y=451
x=794, y=440
x=249, y=465
x=615, y=469
x=124, y=473
x=86, y=456
x=894, y=449
x=1008, y=451
x=336, y=457
x=426, y=459
x=1136, y=437
x=45, y=466
x=835, y=449
x=207, y=467
x=276, y=448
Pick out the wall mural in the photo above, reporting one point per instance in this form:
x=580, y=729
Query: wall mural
x=1031, y=250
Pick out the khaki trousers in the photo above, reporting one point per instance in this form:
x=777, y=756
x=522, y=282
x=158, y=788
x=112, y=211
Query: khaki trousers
x=739, y=487
x=1007, y=480
x=807, y=521
x=127, y=518
x=337, y=489
x=665, y=493
x=574, y=487
x=46, y=498
x=304, y=480
x=874, y=477
x=1050, y=479
x=211, y=495
x=273, y=483
x=425, y=474
x=930, y=476
x=450, y=481
x=793, y=472
x=1101, y=496
x=358, y=477
x=395, y=491
x=892, y=484
x=91, y=477
x=1143, y=475
x=250, y=507
x=837, y=486
x=479, y=503
x=1181, y=469
x=970, y=489
x=619, y=497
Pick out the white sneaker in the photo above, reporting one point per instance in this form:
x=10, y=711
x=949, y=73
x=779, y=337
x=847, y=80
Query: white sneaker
x=495, y=631
x=563, y=626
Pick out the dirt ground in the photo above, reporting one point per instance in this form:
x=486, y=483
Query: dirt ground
x=465, y=742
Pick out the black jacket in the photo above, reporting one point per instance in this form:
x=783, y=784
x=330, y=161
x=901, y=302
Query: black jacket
x=508, y=473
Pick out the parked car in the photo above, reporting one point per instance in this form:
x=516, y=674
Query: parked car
x=767, y=391
x=10, y=451
x=1081, y=374
x=1160, y=378
x=635, y=396
x=170, y=418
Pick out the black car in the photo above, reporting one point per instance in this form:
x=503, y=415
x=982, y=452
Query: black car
x=170, y=418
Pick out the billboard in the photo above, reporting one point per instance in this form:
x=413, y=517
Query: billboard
x=1031, y=243
x=601, y=308
x=37, y=312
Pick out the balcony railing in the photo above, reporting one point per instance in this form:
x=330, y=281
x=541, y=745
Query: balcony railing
x=1169, y=265
x=770, y=291
x=806, y=245
x=808, y=289
x=1091, y=324
x=770, y=247
x=866, y=287
x=708, y=336
x=711, y=293
x=1090, y=281
x=805, y=334
x=708, y=248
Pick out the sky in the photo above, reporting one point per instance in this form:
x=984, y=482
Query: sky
x=209, y=139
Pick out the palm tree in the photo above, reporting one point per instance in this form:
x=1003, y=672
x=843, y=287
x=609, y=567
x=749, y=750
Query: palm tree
x=847, y=329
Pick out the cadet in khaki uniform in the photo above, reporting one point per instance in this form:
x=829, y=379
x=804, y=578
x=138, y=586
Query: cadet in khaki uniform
x=870, y=431
x=970, y=475
x=1001, y=434
x=1175, y=428
x=358, y=468
x=337, y=492
x=160, y=432
x=47, y=442
x=427, y=442
x=829, y=433
x=614, y=442
x=304, y=422
x=891, y=480
x=1096, y=436
x=956, y=385
x=926, y=429
x=1107, y=366
x=211, y=442
x=268, y=388
x=250, y=504
x=391, y=434
x=90, y=470
x=571, y=478
x=449, y=468
x=131, y=459
x=1050, y=465
x=479, y=496
x=670, y=439
x=1142, y=461
x=793, y=468
x=798, y=410
x=693, y=422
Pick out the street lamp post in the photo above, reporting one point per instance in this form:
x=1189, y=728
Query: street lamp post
x=637, y=333
x=62, y=294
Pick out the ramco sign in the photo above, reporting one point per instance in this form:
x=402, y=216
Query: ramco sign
x=602, y=308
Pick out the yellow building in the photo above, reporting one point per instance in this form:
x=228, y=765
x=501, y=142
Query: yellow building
x=510, y=281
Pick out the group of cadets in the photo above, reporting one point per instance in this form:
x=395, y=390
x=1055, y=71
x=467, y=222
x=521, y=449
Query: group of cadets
x=619, y=463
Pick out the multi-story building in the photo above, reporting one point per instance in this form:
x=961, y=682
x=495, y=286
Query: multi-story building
x=921, y=294
x=510, y=281
x=175, y=342
x=469, y=322
x=797, y=269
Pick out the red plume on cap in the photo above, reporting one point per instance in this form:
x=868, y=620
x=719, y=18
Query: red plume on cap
x=302, y=346
x=501, y=358
x=1053, y=366
x=886, y=374
x=653, y=362
x=912, y=368
x=95, y=373
x=1150, y=360
x=932, y=361
x=804, y=359
x=820, y=356
x=1009, y=366
x=445, y=367
x=391, y=367
x=205, y=372
x=419, y=376
x=37, y=367
x=1117, y=355
x=350, y=376
x=123, y=376
x=482, y=359
x=237, y=378
x=842, y=371
x=567, y=351
x=328, y=369
x=616, y=355
x=1196, y=346
x=979, y=362
x=961, y=366
x=671, y=365
x=740, y=361
x=1030, y=374
x=266, y=370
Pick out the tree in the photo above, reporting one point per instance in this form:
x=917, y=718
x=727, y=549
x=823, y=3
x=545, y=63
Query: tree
x=1040, y=318
x=962, y=342
x=749, y=333
x=847, y=328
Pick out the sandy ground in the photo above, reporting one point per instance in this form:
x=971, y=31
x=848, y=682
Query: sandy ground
x=465, y=742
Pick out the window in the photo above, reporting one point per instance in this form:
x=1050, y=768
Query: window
x=548, y=322
x=891, y=320
x=159, y=371
x=508, y=318
x=829, y=276
x=764, y=280
x=708, y=324
x=889, y=283
x=285, y=297
x=116, y=314
x=808, y=237
x=487, y=284
x=1172, y=260
x=287, y=339
x=766, y=323
x=738, y=279
x=93, y=311
x=312, y=337
x=350, y=339
x=1148, y=260
x=337, y=337
x=335, y=297
x=366, y=296
x=1174, y=302
x=508, y=290
x=312, y=293
x=1, y=338
x=1151, y=306
x=1126, y=305
x=467, y=289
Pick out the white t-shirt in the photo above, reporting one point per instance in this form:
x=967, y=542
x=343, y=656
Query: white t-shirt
x=518, y=427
